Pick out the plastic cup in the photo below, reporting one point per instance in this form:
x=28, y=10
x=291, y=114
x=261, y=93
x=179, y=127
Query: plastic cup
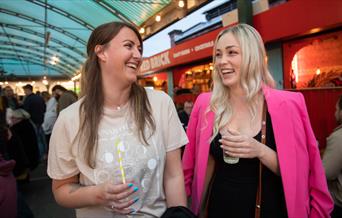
x=229, y=159
x=130, y=177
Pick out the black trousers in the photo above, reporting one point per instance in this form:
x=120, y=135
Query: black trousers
x=337, y=212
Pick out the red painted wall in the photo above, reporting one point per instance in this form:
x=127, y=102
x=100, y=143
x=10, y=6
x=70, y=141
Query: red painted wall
x=297, y=17
x=321, y=108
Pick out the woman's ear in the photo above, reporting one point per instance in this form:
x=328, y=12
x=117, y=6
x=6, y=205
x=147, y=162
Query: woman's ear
x=100, y=52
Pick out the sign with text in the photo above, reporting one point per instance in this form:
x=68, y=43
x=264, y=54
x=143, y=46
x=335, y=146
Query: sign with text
x=186, y=52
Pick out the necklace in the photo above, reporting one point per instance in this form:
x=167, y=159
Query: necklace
x=117, y=108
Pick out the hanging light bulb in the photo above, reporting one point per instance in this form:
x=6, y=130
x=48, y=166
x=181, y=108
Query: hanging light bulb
x=181, y=4
x=158, y=18
x=142, y=30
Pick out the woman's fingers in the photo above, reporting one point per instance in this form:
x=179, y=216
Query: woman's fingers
x=121, y=191
x=235, y=150
x=231, y=138
x=119, y=197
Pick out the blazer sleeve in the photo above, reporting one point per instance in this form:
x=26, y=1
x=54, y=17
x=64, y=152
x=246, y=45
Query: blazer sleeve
x=189, y=155
x=321, y=203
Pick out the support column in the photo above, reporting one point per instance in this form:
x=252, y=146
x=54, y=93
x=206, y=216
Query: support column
x=170, y=83
x=245, y=11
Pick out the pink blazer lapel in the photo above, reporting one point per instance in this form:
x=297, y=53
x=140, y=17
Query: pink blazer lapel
x=282, y=128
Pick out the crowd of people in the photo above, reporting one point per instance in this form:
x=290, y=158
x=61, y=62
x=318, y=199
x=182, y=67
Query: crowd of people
x=249, y=149
x=26, y=126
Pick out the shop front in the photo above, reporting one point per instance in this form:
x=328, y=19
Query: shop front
x=305, y=56
x=184, y=71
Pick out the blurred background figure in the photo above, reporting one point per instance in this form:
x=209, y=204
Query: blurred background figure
x=10, y=101
x=8, y=189
x=35, y=106
x=50, y=115
x=184, y=116
x=332, y=161
x=185, y=113
x=64, y=97
x=23, y=138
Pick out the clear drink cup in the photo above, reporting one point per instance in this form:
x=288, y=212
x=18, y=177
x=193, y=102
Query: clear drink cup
x=228, y=159
x=130, y=177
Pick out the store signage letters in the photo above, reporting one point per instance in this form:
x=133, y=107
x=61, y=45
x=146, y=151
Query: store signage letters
x=157, y=61
x=204, y=45
x=181, y=53
x=194, y=49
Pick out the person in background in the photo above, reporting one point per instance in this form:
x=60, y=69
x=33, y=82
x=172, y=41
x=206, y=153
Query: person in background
x=10, y=99
x=23, y=135
x=332, y=162
x=8, y=189
x=227, y=127
x=34, y=104
x=185, y=113
x=50, y=115
x=64, y=97
x=117, y=124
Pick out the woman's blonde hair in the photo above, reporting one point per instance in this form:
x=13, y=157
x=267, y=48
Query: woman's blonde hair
x=253, y=73
x=91, y=108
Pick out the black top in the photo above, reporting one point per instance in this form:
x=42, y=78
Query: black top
x=184, y=118
x=234, y=186
x=35, y=106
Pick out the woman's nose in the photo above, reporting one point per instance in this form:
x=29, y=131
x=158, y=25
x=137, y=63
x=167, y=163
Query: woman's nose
x=224, y=59
x=137, y=53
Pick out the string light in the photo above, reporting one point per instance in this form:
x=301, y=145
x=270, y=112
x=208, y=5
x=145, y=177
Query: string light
x=158, y=18
x=181, y=4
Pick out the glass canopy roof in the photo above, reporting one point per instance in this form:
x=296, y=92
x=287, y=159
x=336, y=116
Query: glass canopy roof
x=48, y=37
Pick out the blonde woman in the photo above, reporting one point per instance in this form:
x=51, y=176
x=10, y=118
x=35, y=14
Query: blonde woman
x=115, y=152
x=221, y=163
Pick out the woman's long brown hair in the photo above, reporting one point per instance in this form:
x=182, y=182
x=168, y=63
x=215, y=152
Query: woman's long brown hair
x=91, y=108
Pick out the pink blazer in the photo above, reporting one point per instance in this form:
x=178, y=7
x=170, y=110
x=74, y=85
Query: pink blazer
x=304, y=182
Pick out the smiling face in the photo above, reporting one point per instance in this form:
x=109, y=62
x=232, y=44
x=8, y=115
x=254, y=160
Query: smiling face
x=120, y=59
x=228, y=60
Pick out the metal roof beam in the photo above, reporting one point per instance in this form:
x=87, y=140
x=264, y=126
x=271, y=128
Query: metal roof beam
x=30, y=60
x=66, y=67
x=157, y=2
x=117, y=13
x=34, y=20
x=63, y=13
x=41, y=45
x=39, y=52
x=29, y=31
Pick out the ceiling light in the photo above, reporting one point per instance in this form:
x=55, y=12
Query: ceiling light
x=158, y=18
x=45, y=82
x=181, y=4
